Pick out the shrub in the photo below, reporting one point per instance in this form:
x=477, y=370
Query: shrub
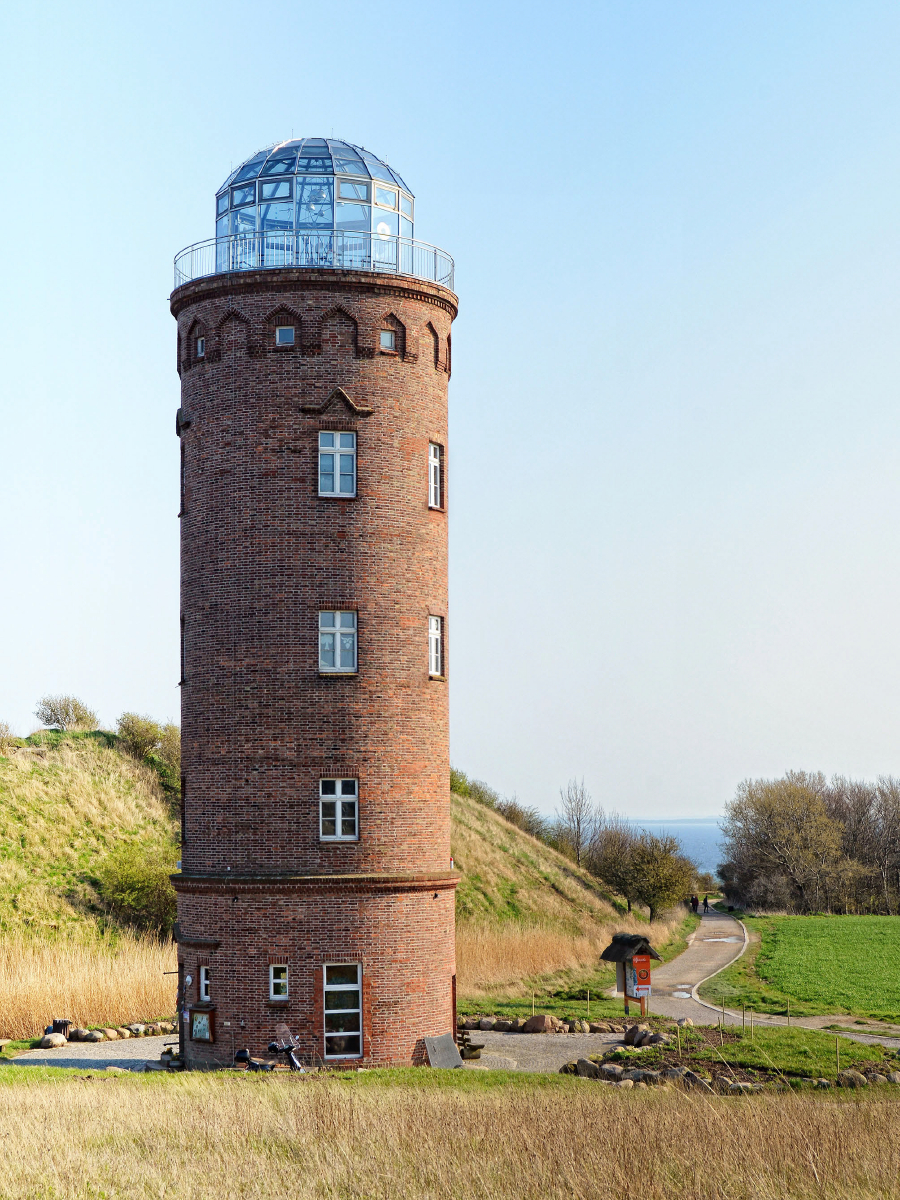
x=7, y=739
x=64, y=713
x=140, y=735
x=134, y=882
x=158, y=745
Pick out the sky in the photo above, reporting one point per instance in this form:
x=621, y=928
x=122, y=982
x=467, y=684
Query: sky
x=674, y=434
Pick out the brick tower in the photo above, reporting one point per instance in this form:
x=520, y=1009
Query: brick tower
x=316, y=886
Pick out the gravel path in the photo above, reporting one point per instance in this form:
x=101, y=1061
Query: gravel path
x=131, y=1053
x=537, y=1051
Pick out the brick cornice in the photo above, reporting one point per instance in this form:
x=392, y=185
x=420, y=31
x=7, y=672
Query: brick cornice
x=310, y=279
x=316, y=885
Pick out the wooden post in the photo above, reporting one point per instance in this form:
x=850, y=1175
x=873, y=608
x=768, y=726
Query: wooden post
x=789, y=1014
x=678, y=1032
x=837, y=1052
x=532, y=1003
x=743, y=1019
x=589, y=1003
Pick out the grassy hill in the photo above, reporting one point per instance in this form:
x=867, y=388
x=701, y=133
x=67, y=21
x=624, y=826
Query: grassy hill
x=66, y=802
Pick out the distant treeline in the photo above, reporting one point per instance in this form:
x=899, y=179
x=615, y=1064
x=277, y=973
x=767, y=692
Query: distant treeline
x=805, y=844
x=643, y=868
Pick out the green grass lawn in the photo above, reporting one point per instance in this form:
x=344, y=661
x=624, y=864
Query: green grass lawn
x=821, y=964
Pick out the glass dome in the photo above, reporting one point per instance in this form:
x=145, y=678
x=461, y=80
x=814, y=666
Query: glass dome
x=314, y=185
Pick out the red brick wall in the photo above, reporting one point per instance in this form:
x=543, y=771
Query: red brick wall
x=262, y=554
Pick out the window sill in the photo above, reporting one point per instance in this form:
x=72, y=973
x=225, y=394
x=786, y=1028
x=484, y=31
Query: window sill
x=280, y=1003
x=327, y=841
x=337, y=674
x=437, y=678
x=336, y=496
x=389, y=353
x=437, y=508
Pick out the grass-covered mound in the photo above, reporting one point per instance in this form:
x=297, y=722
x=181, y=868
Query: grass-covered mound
x=822, y=965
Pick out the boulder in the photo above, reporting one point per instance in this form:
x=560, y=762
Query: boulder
x=643, y=1038
x=586, y=1069
x=634, y=1076
x=568, y=1068
x=674, y=1074
x=52, y=1041
x=690, y=1079
x=111, y=1035
x=625, y=1083
x=77, y=1035
x=501, y=1026
x=739, y=1088
x=852, y=1079
x=874, y=1077
x=633, y=1032
x=485, y=1024
x=562, y=1027
x=123, y=1032
x=118, y=1071
x=598, y=1027
x=137, y=1030
x=658, y=1039
x=518, y=1025
x=685, y=1022
x=539, y=1023
x=822, y=1083
x=653, y=1078
x=471, y=1023
x=93, y=1035
x=641, y=1084
x=166, y=1027
x=611, y=1071
x=893, y=1077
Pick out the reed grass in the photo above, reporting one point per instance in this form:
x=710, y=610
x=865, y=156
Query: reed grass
x=431, y=1136
x=88, y=982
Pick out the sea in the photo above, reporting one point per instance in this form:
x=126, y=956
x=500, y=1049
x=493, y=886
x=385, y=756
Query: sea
x=700, y=838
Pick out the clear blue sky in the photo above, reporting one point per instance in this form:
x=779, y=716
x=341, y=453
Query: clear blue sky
x=675, y=430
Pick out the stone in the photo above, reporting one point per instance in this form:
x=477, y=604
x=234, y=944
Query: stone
x=586, y=1069
x=123, y=1032
x=501, y=1026
x=137, y=1030
x=152, y=1066
x=658, y=1039
x=690, y=1079
x=485, y=1024
x=93, y=1035
x=598, y=1027
x=875, y=1078
x=118, y=1071
x=77, y=1035
x=852, y=1079
x=685, y=1022
x=471, y=1023
x=653, y=1078
x=52, y=1041
x=641, y=1084
x=539, y=1023
x=633, y=1032
x=625, y=1083
x=739, y=1088
x=893, y=1077
x=563, y=1028
x=166, y=1027
x=518, y=1025
x=111, y=1035
x=611, y=1071
x=822, y=1083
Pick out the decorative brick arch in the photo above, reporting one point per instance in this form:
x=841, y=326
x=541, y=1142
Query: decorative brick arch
x=337, y=315
x=284, y=314
x=392, y=321
x=196, y=329
x=231, y=316
x=436, y=345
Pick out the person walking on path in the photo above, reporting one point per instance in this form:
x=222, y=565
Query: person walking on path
x=695, y=904
x=706, y=904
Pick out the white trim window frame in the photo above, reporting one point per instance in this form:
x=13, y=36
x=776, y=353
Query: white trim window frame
x=387, y=339
x=200, y=346
x=337, y=642
x=436, y=647
x=342, y=983
x=435, y=475
x=278, y=981
x=204, y=984
x=338, y=810
x=284, y=335
x=337, y=463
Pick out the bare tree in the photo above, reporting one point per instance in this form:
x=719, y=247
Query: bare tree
x=577, y=822
x=611, y=855
x=65, y=712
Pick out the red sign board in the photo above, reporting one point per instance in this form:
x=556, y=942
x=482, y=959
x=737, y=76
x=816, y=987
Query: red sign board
x=641, y=964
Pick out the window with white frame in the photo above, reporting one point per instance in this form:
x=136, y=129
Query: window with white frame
x=337, y=464
x=343, y=1010
x=388, y=340
x=337, y=641
x=436, y=646
x=278, y=981
x=337, y=810
x=435, y=475
x=201, y=347
x=284, y=335
x=204, y=983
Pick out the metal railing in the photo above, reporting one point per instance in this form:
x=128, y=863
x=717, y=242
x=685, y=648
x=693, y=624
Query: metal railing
x=331, y=250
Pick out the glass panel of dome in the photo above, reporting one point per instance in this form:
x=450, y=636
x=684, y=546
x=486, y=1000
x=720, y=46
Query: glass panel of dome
x=278, y=189
x=349, y=164
x=221, y=204
x=350, y=189
x=243, y=221
x=378, y=170
x=405, y=205
x=314, y=164
x=385, y=223
x=314, y=200
x=276, y=216
x=406, y=227
x=397, y=178
x=386, y=196
x=243, y=195
x=352, y=216
x=250, y=171
x=280, y=166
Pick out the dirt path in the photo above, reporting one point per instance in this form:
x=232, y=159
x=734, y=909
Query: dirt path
x=131, y=1053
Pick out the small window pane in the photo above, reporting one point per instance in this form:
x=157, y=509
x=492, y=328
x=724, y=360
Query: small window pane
x=222, y=204
x=385, y=196
x=406, y=228
x=350, y=165
x=326, y=649
x=387, y=339
x=314, y=164
x=328, y=787
x=348, y=819
x=278, y=189
x=326, y=483
x=243, y=221
x=222, y=227
x=342, y=1046
x=346, y=440
x=348, y=787
x=276, y=217
x=348, y=651
x=343, y=998
x=353, y=189
x=280, y=166
x=314, y=199
x=406, y=205
x=348, y=620
x=250, y=171
x=243, y=195
x=326, y=620
x=338, y=1022
x=278, y=982
x=284, y=335
x=326, y=463
x=352, y=216
x=326, y=439
x=329, y=820
x=343, y=974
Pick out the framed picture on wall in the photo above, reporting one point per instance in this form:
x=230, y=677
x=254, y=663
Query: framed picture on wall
x=202, y=1025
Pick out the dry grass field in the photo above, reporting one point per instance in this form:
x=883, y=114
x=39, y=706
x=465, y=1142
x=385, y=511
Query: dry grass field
x=90, y=983
x=380, y=1136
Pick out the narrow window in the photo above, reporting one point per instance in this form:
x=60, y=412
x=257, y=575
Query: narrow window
x=337, y=641
x=388, y=340
x=204, y=984
x=278, y=982
x=201, y=347
x=337, y=464
x=181, y=509
x=284, y=335
x=343, y=1011
x=182, y=651
x=436, y=646
x=337, y=810
x=435, y=475
x=183, y=825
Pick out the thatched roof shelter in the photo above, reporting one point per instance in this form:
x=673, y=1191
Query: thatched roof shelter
x=626, y=945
